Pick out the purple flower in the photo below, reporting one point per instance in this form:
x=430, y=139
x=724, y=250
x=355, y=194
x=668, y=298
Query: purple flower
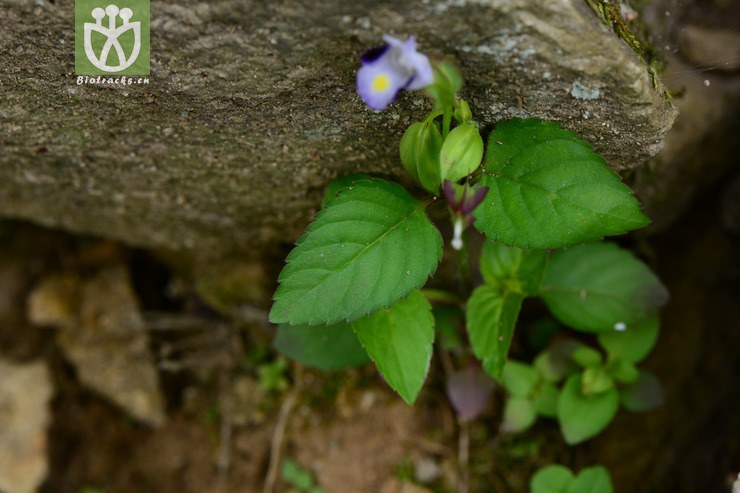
x=389, y=69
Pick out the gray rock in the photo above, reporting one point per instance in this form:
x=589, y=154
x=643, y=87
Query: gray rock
x=25, y=392
x=702, y=146
x=251, y=109
x=104, y=336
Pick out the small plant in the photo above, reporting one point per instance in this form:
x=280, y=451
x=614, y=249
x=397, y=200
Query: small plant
x=351, y=289
x=272, y=375
x=560, y=479
x=301, y=480
x=575, y=383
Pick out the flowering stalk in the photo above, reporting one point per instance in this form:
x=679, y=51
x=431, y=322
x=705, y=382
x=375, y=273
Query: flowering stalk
x=430, y=152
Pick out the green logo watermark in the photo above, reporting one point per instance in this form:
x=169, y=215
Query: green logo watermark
x=112, y=38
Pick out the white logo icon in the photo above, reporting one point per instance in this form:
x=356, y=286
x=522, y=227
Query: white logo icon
x=112, y=33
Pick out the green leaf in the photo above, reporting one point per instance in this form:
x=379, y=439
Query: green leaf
x=326, y=347
x=592, y=480
x=491, y=317
x=599, y=286
x=586, y=356
x=582, y=417
x=399, y=340
x=519, y=415
x=295, y=475
x=643, y=395
x=371, y=246
x=623, y=371
x=519, y=379
x=596, y=380
x=545, y=400
x=632, y=344
x=549, y=189
x=339, y=184
x=551, y=479
x=514, y=269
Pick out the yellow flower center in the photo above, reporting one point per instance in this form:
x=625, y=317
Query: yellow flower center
x=381, y=82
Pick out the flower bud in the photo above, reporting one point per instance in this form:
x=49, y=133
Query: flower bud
x=462, y=112
x=461, y=152
x=420, y=150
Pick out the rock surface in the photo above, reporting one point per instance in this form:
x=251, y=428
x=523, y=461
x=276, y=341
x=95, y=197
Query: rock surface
x=25, y=392
x=104, y=336
x=251, y=109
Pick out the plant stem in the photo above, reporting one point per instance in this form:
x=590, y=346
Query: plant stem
x=277, y=438
x=441, y=296
x=463, y=457
x=463, y=260
x=446, y=121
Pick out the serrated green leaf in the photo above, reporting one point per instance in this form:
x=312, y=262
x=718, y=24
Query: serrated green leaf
x=491, y=317
x=326, y=347
x=582, y=417
x=371, y=246
x=598, y=286
x=516, y=270
x=596, y=380
x=631, y=344
x=519, y=378
x=644, y=394
x=594, y=479
x=399, y=341
x=519, y=415
x=545, y=400
x=339, y=184
x=551, y=479
x=548, y=189
x=519, y=135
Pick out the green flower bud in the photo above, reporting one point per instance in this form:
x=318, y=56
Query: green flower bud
x=462, y=112
x=420, y=150
x=461, y=152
